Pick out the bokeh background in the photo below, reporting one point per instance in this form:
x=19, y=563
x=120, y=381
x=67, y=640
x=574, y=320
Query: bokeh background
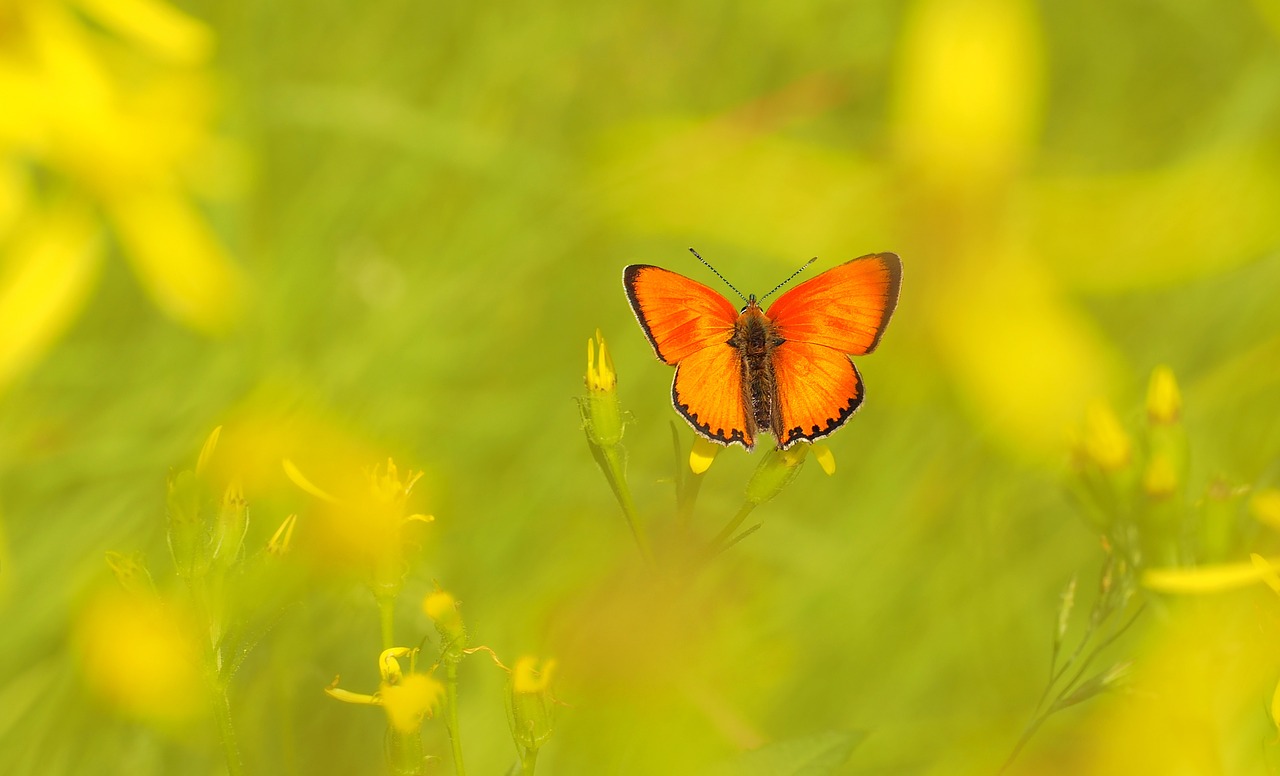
x=350, y=232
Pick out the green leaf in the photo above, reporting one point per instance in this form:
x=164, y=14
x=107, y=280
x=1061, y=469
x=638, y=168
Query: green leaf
x=812, y=755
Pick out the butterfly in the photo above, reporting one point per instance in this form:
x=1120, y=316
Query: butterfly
x=785, y=370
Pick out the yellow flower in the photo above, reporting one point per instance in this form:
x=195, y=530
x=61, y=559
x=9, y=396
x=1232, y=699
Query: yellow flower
x=283, y=537
x=601, y=412
x=369, y=524
x=107, y=104
x=1105, y=441
x=601, y=375
x=407, y=699
x=530, y=706
x=1164, y=401
x=136, y=652
x=1265, y=507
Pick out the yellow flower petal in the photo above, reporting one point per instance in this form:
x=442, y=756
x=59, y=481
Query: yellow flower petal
x=161, y=28
x=1269, y=574
x=704, y=452
x=1164, y=401
x=283, y=537
x=180, y=262
x=1275, y=706
x=52, y=265
x=1204, y=579
x=296, y=476
x=526, y=678
x=826, y=459
x=206, y=452
x=1265, y=507
x=346, y=696
x=969, y=98
x=410, y=701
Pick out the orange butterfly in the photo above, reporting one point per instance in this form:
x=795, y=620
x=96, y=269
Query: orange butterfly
x=785, y=370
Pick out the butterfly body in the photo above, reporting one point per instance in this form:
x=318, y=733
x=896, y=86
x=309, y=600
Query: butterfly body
x=755, y=337
x=785, y=370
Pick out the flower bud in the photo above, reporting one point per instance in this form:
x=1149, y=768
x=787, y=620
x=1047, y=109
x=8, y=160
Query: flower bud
x=601, y=412
x=775, y=473
x=530, y=706
x=231, y=525
x=186, y=531
x=442, y=608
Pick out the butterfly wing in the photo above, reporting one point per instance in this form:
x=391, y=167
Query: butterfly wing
x=818, y=390
x=689, y=326
x=707, y=391
x=679, y=316
x=842, y=311
x=846, y=308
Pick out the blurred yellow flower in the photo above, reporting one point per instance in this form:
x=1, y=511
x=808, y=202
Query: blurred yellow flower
x=1105, y=441
x=526, y=678
x=109, y=102
x=136, y=651
x=1164, y=401
x=368, y=523
x=407, y=699
x=1265, y=507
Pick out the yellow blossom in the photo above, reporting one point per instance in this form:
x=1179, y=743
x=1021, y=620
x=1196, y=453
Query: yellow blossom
x=368, y=523
x=407, y=699
x=1265, y=506
x=110, y=102
x=1164, y=402
x=1105, y=441
x=526, y=678
x=136, y=652
x=283, y=537
x=601, y=375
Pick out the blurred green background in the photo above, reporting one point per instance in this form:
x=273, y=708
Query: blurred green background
x=346, y=232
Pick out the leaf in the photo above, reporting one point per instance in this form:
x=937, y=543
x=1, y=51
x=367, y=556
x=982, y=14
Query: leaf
x=813, y=755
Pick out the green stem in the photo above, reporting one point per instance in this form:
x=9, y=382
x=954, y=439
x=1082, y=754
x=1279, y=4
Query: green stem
x=730, y=527
x=387, y=617
x=451, y=716
x=226, y=732
x=611, y=464
x=528, y=761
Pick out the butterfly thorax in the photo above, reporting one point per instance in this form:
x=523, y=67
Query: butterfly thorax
x=755, y=337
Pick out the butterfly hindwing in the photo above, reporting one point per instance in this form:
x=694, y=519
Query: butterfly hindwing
x=845, y=308
x=818, y=389
x=707, y=391
x=679, y=316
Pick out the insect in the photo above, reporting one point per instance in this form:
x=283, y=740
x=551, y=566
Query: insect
x=785, y=370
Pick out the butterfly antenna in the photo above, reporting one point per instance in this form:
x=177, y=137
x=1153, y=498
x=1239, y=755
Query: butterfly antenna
x=788, y=280
x=713, y=269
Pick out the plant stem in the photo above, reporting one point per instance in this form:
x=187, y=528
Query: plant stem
x=730, y=527
x=387, y=618
x=226, y=732
x=451, y=716
x=610, y=461
x=528, y=761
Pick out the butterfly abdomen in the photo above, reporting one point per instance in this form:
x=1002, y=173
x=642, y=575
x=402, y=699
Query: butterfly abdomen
x=755, y=337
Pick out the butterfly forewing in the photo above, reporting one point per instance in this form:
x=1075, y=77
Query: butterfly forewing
x=679, y=316
x=845, y=308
